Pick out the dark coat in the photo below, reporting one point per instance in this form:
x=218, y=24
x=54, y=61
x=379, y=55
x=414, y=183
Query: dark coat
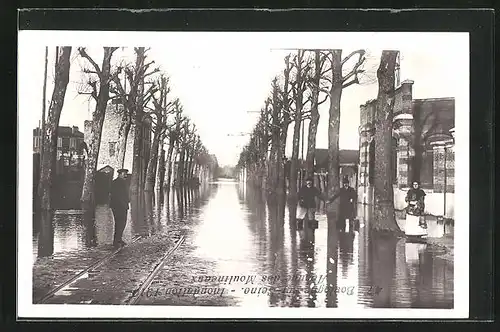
x=417, y=195
x=347, y=201
x=119, y=194
x=307, y=196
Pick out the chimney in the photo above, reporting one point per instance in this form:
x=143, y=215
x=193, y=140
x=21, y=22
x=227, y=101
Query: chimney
x=74, y=129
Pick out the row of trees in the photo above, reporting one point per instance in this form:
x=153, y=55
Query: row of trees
x=176, y=155
x=310, y=78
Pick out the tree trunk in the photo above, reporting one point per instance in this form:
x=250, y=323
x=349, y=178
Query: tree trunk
x=276, y=167
x=189, y=169
x=122, y=137
x=313, y=124
x=160, y=174
x=49, y=148
x=169, y=161
x=88, y=192
x=333, y=135
x=135, y=177
x=295, y=156
x=186, y=167
x=180, y=168
x=153, y=161
x=384, y=217
x=96, y=131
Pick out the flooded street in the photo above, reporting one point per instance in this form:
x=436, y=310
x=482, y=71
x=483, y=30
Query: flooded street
x=256, y=257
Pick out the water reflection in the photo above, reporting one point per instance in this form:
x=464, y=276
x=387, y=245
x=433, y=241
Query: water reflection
x=76, y=231
x=243, y=234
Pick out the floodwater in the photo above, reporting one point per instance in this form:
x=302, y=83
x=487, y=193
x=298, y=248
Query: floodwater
x=242, y=236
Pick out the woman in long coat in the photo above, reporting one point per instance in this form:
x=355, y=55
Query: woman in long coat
x=415, y=198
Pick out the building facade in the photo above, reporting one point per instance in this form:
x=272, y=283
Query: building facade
x=108, y=150
x=70, y=158
x=69, y=141
x=423, y=150
x=70, y=149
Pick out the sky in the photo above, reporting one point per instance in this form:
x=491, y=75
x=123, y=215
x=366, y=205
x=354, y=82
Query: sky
x=223, y=78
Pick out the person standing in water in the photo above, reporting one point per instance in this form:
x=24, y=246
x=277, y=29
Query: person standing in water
x=347, y=196
x=307, y=200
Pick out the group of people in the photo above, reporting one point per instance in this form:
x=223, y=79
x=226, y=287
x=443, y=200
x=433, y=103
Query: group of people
x=120, y=203
x=347, y=206
x=307, y=202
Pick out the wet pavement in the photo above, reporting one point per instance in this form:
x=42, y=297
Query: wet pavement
x=240, y=251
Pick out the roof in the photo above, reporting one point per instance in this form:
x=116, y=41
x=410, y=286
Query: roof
x=63, y=131
x=345, y=157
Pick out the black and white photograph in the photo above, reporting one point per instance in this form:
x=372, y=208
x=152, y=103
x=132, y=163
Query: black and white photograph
x=243, y=174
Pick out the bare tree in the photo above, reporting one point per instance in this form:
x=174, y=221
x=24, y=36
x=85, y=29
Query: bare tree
x=161, y=110
x=275, y=164
x=134, y=75
x=286, y=111
x=99, y=78
x=384, y=216
x=337, y=79
x=173, y=133
x=302, y=67
x=49, y=152
x=313, y=84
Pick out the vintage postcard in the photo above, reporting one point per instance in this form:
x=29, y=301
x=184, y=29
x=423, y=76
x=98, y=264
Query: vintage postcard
x=243, y=174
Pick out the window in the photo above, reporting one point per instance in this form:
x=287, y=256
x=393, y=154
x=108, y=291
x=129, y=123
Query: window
x=59, y=142
x=112, y=149
x=36, y=142
x=72, y=143
x=426, y=174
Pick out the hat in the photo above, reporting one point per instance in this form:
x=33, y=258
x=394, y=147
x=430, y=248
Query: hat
x=122, y=170
x=345, y=180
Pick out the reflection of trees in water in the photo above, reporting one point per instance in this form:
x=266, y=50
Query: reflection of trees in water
x=382, y=251
x=89, y=222
x=346, y=246
x=309, y=287
x=276, y=217
x=401, y=292
x=294, y=269
x=431, y=279
x=331, y=263
x=180, y=203
x=257, y=218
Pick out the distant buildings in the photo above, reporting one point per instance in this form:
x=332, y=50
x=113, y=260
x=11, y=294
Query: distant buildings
x=348, y=160
x=70, y=148
x=69, y=168
x=431, y=120
x=69, y=141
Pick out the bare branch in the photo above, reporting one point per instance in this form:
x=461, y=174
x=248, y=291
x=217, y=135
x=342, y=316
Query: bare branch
x=355, y=70
x=326, y=97
x=88, y=71
x=83, y=54
x=353, y=81
x=360, y=52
